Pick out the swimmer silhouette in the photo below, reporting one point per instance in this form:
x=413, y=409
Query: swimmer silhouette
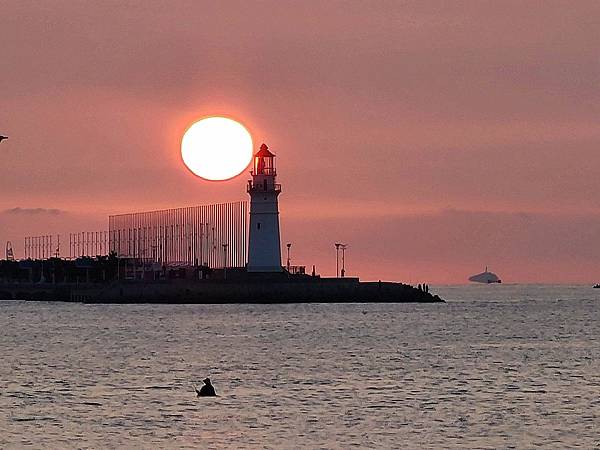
x=207, y=390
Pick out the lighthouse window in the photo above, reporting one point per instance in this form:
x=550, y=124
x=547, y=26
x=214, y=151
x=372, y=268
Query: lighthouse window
x=258, y=225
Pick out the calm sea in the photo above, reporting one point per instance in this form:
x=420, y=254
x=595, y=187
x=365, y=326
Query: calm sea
x=496, y=367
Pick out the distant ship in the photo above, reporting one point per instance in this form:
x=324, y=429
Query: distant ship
x=596, y=286
x=485, y=277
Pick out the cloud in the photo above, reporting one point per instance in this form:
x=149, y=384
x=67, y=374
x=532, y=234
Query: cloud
x=36, y=211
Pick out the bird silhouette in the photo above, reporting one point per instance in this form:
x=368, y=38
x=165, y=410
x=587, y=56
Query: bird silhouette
x=3, y=137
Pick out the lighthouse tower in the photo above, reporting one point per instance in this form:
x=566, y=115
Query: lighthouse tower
x=264, y=250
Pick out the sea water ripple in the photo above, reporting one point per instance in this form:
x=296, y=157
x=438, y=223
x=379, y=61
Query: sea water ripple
x=495, y=367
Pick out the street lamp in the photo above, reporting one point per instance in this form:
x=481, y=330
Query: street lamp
x=337, y=259
x=225, y=261
x=288, y=245
x=343, y=247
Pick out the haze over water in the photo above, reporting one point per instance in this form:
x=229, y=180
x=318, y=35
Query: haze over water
x=496, y=366
x=432, y=137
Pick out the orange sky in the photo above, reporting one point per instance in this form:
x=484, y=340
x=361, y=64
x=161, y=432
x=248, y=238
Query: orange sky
x=433, y=137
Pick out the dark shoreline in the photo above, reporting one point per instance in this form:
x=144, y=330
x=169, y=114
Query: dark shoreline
x=257, y=291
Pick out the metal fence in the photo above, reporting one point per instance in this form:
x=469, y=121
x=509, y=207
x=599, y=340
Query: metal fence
x=84, y=243
x=41, y=247
x=215, y=235
x=88, y=243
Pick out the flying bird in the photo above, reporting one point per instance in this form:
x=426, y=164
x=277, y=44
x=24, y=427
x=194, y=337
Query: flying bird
x=3, y=137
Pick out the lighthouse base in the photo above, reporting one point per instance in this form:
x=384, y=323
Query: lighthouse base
x=264, y=269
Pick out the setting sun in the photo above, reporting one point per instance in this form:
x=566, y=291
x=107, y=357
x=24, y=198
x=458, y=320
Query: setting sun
x=216, y=148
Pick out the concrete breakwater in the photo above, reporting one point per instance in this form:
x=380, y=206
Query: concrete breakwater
x=321, y=290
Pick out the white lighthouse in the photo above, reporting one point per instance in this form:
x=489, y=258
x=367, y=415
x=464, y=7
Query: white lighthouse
x=264, y=250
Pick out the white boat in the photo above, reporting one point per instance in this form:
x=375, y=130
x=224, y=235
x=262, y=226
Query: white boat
x=485, y=277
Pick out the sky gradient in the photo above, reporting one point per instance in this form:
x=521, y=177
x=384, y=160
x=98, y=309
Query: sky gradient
x=433, y=137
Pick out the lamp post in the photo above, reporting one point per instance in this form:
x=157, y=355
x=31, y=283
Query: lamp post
x=343, y=247
x=225, y=261
x=207, y=251
x=214, y=246
x=337, y=259
x=288, y=245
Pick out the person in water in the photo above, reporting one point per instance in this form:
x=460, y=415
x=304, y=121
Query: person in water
x=207, y=390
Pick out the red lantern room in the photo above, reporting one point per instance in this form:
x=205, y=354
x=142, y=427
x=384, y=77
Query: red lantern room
x=263, y=172
x=264, y=162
